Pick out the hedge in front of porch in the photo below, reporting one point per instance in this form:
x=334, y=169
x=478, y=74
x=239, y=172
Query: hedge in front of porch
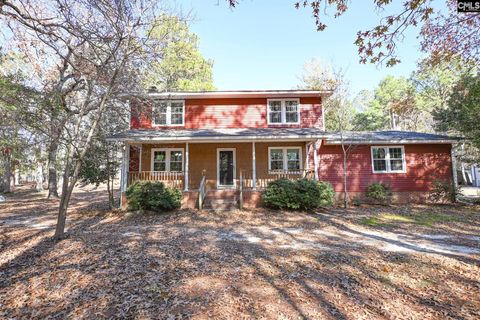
x=302, y=194
x=153, y=196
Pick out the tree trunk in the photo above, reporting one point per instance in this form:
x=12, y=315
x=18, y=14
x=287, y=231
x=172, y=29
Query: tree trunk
x=8, y=173
x=39, y=177
x=67, y=189
x=52, y=170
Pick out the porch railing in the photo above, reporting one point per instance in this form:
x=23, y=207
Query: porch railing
x=262, y=180
x=174, y=179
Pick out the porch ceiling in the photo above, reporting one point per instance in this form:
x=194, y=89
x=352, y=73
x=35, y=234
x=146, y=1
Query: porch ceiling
x=209, y=135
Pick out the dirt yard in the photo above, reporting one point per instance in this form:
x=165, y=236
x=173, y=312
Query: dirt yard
x=417, y=262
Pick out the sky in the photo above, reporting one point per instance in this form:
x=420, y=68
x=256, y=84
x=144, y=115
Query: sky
x=263, y=44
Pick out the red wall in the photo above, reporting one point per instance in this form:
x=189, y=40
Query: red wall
x=425, y=163
x=228, y=113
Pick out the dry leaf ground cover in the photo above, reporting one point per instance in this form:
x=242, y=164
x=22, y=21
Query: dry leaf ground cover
x=417, y=262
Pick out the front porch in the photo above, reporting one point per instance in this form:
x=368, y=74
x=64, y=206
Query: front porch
x=202, y=169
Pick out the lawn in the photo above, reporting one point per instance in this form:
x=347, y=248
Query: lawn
x=415, y=262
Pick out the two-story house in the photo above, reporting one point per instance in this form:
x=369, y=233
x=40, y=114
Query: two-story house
x=223, y=147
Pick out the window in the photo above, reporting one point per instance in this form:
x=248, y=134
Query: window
x=168, y=113
x=167, y=160
x=388, y=159
x=283, y=111
x=284, y=158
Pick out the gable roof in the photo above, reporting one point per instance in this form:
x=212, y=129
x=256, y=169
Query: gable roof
x=231, y=94
x=392, y=136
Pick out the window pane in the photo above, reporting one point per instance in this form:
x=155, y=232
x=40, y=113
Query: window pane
x=378, y=153
x=396, y=165
x=276, y=117
x=159, y=156
x=395, y=153
x=293, y=154
x=175, y=166
x=177, y=119
x=275, y=106
x=380, y=165
x=276, y=165
x=291, y=106
x=177, y=107
x=291, y=117
x=159, y=166
x=162, y=107
x=176, y=156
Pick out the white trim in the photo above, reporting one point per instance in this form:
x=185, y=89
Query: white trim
x=307, y=151
x=254, y=167
x=285, y=159
x=168, y=114
x=167, y=158
x=222, y=139
x=140, y=158
x=186, y=164
x=337, y=142
x=315, y=160
x=283, y=111
x=234, y=168
x=232, y=94
x=387, y=159
x=454, y=166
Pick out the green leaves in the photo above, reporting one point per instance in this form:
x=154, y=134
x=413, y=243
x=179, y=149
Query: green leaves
x=302, y=194
x=153, y=196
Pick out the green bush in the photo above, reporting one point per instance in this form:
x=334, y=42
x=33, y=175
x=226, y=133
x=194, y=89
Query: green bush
x=302, y=194
x=152, y=196
x=443, y=191
x=379, y=192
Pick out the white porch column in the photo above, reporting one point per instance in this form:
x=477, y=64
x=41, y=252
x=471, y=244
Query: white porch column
x=307, y=147
x=124, y=171
x=140, y=158
x=187, y=160
x=454, y=166
x=254, y=167
x=315, y=160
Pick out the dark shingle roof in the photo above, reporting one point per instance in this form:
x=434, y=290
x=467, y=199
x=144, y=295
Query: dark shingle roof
x=226, y=134
x=143, y=135
x=388, y=136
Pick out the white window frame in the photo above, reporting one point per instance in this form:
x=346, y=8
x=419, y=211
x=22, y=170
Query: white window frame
x=285, y=159
x=169, y=113
x=283, y=111
x=387, y=159
x=167, y=158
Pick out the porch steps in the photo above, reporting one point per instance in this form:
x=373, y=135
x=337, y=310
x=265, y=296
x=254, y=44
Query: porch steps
x=221, y=200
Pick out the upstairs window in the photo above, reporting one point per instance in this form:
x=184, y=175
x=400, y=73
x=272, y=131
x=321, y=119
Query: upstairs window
x=168, y=113
x=283, y=111
x=167, y=160
x=388, y=159
x=284, y=159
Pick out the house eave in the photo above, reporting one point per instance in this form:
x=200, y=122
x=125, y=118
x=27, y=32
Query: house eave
x=216, y=139
x=357, y=142
x=230, y=94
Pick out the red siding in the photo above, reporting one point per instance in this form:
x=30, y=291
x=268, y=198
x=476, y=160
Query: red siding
x=229, y=113
x=425, y=163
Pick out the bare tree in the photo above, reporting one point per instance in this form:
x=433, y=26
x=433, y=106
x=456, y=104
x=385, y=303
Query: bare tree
x=98, y=47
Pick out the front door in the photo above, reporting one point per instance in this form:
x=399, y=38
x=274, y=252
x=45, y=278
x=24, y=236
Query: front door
x=226, y=167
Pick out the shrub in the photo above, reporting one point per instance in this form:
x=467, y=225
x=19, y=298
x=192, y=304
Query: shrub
x=152, y=196
x=302, y=194
x=379, y=192
x=443, y=191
